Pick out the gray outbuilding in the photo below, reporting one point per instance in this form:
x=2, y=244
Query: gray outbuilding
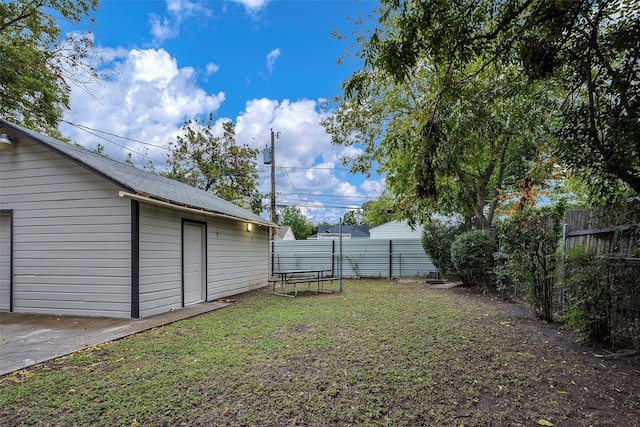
x=82, y=234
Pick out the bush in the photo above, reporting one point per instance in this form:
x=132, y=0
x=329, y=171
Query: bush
x=529, y=254
x=589, y=295
x=437, y=238
x=472, y=256
x=602, y=296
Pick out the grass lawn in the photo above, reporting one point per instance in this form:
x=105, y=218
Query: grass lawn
x=380, y=354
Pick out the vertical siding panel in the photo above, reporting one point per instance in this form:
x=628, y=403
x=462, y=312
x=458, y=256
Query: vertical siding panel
x=71, y=235
x=361, y=257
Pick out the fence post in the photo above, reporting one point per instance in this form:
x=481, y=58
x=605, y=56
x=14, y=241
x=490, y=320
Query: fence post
x=273, y=252
x=340, y=263
x=390, y=259
x=333, y=257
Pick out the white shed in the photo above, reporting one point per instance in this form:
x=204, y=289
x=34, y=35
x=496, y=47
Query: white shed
x=395, y=230
x=82, y=234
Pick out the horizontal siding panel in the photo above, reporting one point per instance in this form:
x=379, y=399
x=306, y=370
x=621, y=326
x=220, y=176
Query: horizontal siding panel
x=156, y=271
x=152, y=307
x=161, y=294
x=156, y=257
x=107, y=213
x=71, y=264
x=106, y=273
x=73, y=256
x=71, y=281
x=85, y=217
x=57, y=173
x=88, y=245
x=68, y=189
x=83, y=310
x=55, y=240
x=48, y=199
x=71, y=229
x=172, y=285
x=60, y=305
x=66, y=299
x=44, y=205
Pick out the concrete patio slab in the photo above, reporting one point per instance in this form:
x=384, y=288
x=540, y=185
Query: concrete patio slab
x=29, y=339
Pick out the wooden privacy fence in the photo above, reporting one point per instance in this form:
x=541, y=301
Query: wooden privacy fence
x=360, y=257
x=613, y=236
x=603, y=231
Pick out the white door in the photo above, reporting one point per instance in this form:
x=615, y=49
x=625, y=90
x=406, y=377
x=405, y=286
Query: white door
x=193, y=263
x=5, y=261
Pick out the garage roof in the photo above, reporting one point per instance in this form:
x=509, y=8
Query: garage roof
x=139, y=182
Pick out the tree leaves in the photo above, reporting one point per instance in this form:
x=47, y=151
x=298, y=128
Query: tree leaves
x=37, y=64
x=214, y=162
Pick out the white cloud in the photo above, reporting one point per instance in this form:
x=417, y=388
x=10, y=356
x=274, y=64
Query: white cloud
x=252, y=5
x=146, y=98
x=212, y=68
x=305, y=158
x=162, y=29
x=271, y=58
x=168, y=27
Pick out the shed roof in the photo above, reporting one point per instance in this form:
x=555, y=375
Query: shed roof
x=139, y=182
x=356, y=231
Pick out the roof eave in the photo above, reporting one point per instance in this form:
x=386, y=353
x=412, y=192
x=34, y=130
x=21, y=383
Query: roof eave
x=171, y=204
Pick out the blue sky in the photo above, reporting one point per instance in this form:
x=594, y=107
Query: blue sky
x=264, y=64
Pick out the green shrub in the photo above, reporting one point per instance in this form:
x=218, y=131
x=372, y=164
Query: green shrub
x=602, y=296
x=472, y=256
x=589, y=295
x=437, y=238
x=529, y=254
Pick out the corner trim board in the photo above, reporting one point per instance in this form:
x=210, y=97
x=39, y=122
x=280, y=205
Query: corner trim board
x=10, y=213
x=135, y=259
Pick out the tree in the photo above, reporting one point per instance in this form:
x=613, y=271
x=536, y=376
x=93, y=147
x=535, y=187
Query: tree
x=352, y=217
x=591, y=49
x=293, y=217
x=449, y=140
x=377, y=212
x=215, y=163
x=37, y=63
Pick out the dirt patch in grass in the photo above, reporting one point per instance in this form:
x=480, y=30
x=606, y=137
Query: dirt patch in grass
x=381, y=353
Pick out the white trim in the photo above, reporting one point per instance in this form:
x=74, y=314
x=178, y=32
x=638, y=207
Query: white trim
x=188, y=209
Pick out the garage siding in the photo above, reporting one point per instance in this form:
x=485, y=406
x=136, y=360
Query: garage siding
x=71, y=235
x=237, y=260
x=160, y=260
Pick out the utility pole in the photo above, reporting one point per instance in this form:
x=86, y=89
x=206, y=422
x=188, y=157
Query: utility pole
x=273, y=179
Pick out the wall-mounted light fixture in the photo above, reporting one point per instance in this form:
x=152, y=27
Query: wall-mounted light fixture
x=249, y=226
x=5, y=142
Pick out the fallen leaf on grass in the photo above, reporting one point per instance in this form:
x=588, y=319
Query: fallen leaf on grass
x=546, y=423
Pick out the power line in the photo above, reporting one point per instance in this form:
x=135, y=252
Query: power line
x=83, y=127
x=284, y=205
x=329, y=196
x=113, y=142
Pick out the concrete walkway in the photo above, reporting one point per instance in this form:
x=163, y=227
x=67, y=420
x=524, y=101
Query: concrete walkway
x=29, y=339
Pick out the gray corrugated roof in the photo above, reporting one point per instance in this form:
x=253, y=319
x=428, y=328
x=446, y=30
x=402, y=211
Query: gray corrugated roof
x=142, y=182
